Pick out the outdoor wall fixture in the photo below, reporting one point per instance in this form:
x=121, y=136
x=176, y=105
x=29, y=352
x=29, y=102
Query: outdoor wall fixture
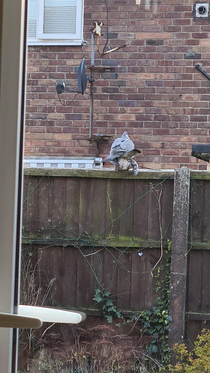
x=201, y=151
x=201, y=10
x=82, y=80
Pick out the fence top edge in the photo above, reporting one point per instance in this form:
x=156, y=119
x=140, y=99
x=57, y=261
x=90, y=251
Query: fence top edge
x=200, y=175
x=103, y=174
x=111, y=174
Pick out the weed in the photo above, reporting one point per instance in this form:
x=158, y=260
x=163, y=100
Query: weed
x=108, y=308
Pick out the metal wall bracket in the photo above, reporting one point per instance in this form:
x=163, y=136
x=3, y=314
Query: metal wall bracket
x=202, y=71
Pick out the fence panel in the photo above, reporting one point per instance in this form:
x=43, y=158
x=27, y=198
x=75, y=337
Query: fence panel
x=97, y=233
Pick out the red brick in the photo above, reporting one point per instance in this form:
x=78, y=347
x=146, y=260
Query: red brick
x=188, y=139
x=198, y=118
x=161, y=131
x=155, y=35
x=200, y=35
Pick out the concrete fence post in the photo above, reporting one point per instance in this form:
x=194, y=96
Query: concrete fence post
x=179, y=255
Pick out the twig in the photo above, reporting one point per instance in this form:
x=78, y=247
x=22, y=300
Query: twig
x=96, y=252
x=161, y=230
x=47, y=329
x=49, y=286
x=135, y=323
x=110, y=209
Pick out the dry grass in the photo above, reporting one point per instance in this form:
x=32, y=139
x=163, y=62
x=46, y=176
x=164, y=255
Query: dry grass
x=95, y=350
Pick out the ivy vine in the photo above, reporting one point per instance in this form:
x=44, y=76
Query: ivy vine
x=155, y=322
x=109, y=310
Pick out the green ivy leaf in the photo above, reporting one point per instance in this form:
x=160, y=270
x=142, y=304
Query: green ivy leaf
x=153, y=349
x=109, y=319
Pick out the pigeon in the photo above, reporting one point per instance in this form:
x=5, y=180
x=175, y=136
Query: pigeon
x=122, y=154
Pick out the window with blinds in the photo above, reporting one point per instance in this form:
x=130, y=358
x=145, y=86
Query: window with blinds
x=53, y=22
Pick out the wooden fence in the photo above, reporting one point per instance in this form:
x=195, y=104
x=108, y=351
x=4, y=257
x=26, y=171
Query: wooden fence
x=89, y=229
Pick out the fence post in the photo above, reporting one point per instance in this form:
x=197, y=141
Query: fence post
x=179, y=255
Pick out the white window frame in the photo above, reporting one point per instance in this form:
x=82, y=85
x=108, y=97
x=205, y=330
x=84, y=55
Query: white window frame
x=12, y=74
x=57, y=38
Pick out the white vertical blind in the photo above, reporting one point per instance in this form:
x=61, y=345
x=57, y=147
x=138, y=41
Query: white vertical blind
x=32, y=16
x=60, y=20
x=60, y=16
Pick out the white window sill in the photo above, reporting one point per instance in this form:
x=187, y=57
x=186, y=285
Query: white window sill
x=55, y=42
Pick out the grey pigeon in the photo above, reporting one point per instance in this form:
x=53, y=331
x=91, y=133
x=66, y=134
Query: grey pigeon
x=122, y=154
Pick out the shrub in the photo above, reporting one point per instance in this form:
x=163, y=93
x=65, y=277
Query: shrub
x=196, y=361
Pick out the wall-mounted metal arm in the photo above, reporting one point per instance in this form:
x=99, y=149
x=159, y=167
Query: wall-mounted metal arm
x=60, y=88
x=202, y=71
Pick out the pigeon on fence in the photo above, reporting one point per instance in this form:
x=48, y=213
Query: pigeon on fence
x=122, y=154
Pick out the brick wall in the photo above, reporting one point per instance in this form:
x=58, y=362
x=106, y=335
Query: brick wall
x=154, y=92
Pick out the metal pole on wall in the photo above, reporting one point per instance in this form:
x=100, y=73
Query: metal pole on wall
x=91, y=87
x=179, y=255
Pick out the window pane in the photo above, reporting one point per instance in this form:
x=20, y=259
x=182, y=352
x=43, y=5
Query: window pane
x=49, y=3
x=32, y=15
x=60, y=19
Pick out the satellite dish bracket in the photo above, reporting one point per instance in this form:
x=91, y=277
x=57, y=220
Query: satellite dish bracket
x=82, y=79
